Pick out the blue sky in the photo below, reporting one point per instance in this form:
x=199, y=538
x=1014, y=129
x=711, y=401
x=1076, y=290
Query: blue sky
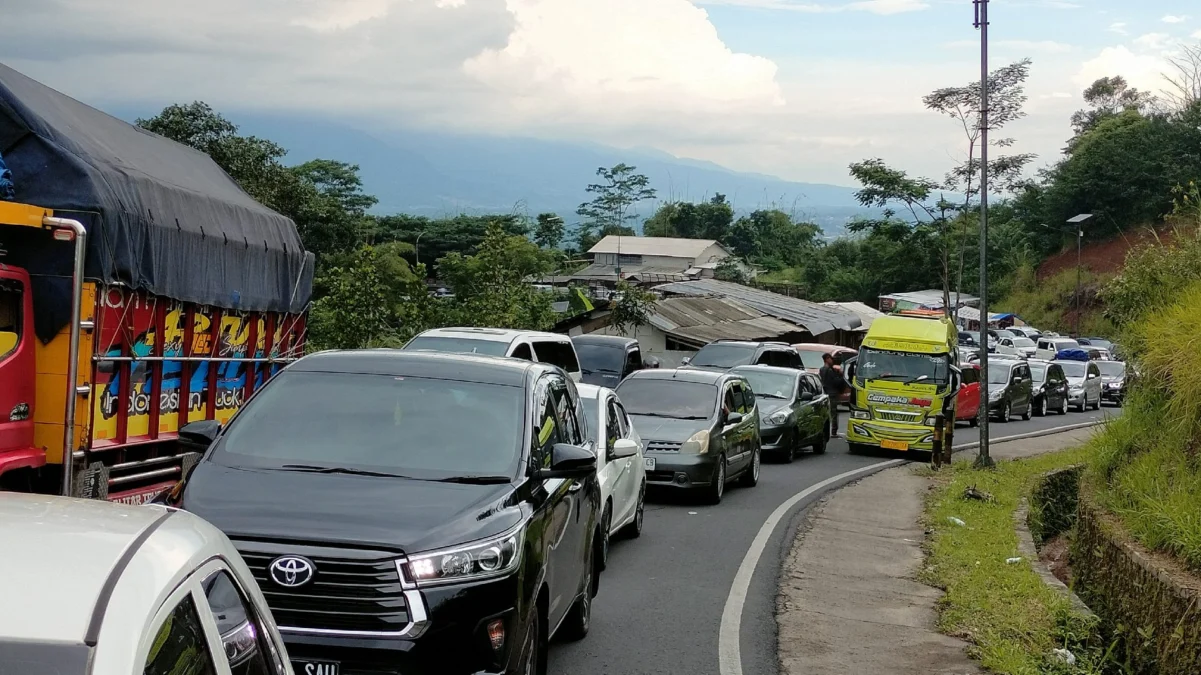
x=794, y=88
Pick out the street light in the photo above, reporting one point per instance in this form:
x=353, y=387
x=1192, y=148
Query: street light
x=1078, y=229
x=417, y=246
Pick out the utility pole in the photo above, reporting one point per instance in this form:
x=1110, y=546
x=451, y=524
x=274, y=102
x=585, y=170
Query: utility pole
x=983, y=460
x=1078, y=222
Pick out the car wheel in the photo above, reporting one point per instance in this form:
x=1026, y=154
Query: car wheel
x=974, y=422
x=819, y=448
x=1063, y=406
x=634, y=529
x=606, y=523
x=794, y=447
x=1006, y=413
x=1097, y=404
x=1040, y=410
x=579, y=617
x=717, y=488
x=531, y=661
x=750, y=477
x=1026, y=412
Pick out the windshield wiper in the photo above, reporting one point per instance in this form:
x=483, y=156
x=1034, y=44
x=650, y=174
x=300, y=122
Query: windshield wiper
x=671, y=417
x=476, y=480
x=309, y=468
x=759, y=395
x=919, y=378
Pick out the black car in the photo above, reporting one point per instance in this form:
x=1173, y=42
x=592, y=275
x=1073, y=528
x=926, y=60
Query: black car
x=1049, y=387
x=1113, y=381
x=606, y=360
x=726, y=354
x=699, y=428
x=794, y=412
x=411, y=512
x=1010, y=389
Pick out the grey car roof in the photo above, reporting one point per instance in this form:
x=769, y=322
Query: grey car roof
x=436, y=365
x=682, y=375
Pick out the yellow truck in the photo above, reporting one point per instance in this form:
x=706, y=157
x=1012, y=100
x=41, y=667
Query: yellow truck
x=905, y=375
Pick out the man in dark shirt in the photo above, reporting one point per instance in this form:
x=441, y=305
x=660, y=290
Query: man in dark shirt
x=833, y=384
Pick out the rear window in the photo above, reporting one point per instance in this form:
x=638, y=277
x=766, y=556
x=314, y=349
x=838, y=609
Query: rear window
x=561, y=354
x=459, y=345
x=1112, y=368
x=811, y=359
x=668, y=398
x=720, y=355
x=400, y=425
x=601, y=358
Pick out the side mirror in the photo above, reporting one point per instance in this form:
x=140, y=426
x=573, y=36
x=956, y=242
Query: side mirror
x=624, y=447
x=1092, y=376
x=806, y=397
x=650, y=362
x=686, y=360
x=734, y=418
x=570, y=461
x=200, y=434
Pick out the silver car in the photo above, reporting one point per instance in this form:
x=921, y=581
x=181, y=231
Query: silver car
x=1084, y=384
x=108, y=589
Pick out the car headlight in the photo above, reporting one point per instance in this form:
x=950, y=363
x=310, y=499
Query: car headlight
x=1077, y=389
x=779, y=416
x=996, y=394
x=697, y=445
x=931, y=421
x=861, y=415
x=482, y=560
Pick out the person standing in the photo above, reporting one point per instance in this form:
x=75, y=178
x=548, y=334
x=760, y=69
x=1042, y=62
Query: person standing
x=833, y=384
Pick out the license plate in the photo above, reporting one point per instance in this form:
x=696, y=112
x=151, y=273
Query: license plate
x=316, y=667
x=649, y=462
x=894, y=445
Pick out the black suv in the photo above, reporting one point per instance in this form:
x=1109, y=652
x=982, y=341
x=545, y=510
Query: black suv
x=411, y=512
x=726, y=354
x=606, y=360
x=1010, y=389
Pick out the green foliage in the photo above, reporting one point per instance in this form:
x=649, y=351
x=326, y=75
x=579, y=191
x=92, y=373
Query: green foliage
x=1012, y=617
x=632, y=309
x=1050, y=303
x=609, y=212
x=706, y=220
x=549, y=231
x=354, y=312
x=492, y=288
x=730, y=270
x=440, y=237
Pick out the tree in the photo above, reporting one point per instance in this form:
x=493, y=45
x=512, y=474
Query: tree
x=548, y=233
x=633, y=308
x=493, y=287
x=1108, y=97
x=1184, y=81
x=730, y=269
x=706, y=220
x=333, y=218
x=771, y=238
x=354, y=312
x=609, y=211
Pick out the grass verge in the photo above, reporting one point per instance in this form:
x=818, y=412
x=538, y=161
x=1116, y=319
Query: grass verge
x=1012, y=618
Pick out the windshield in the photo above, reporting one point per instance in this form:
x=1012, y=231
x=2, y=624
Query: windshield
x=601, y=358
x=1023, y=342
x=1061, y=345
x=410, y=426
x=811, y=359
x=459, y=345
x=1038, y=371
x=668, y=398
x=875, y=364
x=1112, y=368
x=998, y=374
x=724, y=356
x=43, y=658
x=1073, y=368
x=770, y=385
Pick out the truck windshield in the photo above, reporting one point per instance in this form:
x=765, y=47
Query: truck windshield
x=43, y=658
x=877, y=364
x=417, y=427
x=459, y=345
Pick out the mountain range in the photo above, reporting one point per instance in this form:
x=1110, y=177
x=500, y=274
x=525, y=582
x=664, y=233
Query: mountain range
x=440, y=174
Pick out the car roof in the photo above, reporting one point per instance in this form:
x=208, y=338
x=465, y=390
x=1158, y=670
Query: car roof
x=818, y=347
x=433, y=365
x=682, y=375
x=81, y=542
x=766, y=369
x=591, y=391
x=491, y=334
x=614, y=340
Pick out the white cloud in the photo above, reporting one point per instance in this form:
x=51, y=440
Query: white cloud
x=1197, y=35
x=1171, y=18
x=874, y=6
x=1030, y=46
x=1118, y=27
x=1153, y=40
x=1056, y=94
x=1144, y=71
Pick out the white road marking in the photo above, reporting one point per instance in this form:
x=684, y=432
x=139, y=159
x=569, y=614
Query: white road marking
x=729, y=642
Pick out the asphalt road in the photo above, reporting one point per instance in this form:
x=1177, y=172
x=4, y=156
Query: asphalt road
x=661, y=600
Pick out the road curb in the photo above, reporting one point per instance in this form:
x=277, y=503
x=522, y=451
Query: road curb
x=1032, y=434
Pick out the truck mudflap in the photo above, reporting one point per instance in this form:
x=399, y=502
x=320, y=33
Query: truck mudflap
x=134, y=482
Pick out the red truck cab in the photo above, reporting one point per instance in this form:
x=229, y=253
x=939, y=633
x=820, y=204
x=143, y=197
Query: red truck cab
x=17, y=372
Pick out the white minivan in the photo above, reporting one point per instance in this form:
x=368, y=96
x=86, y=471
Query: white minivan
x=1049, y=347
x=529, y=345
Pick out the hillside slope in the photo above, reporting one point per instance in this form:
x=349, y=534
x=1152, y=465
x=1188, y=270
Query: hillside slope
x=1103, y=257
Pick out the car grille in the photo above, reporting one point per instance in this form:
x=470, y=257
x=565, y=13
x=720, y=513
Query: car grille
x=662, y=446
x=350, y=591
x=895, y=416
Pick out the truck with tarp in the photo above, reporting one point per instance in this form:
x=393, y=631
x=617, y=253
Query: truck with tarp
x=905, y=377
x=141, y=290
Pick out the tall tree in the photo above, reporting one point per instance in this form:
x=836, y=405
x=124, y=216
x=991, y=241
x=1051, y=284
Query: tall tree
x=549, y=231
x=492, y=287
x=1108, y=97
x=706, y=220
x=610, y=210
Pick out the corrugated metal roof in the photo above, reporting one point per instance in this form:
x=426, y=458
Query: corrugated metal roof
x=609, y=272
x=702, y=320
x=658, y=246
x=811, y=316
x=931, y=298
x=866, y=314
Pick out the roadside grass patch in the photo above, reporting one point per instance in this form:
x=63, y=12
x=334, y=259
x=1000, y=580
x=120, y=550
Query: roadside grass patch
x=1012, y=618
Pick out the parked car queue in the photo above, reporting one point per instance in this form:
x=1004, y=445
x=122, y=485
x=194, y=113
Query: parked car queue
x=440, y=509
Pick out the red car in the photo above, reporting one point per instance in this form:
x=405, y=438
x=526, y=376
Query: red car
x=968, y=406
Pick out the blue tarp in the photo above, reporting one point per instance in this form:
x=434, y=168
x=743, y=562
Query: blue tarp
x=1072, y=355
x=161, y=217
x=6, y=182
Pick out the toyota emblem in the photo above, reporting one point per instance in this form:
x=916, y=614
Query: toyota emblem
x=292, y=571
